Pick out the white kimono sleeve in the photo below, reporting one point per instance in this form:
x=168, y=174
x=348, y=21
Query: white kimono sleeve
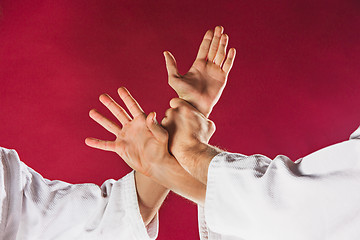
x=253, y=197
x=32, y=207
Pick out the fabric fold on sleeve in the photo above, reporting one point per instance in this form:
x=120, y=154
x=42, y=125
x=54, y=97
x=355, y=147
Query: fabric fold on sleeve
x=132, y=205
x=254, y=197
x=204, y=231
x=33, y=207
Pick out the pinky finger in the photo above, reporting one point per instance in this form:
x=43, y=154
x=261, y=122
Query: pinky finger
x=100, y=144
x=229, y=60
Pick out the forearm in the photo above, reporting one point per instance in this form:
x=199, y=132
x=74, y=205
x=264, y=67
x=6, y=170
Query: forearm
x=170, y=176
x=151, y=195
x=200, y=156
x=174, y=177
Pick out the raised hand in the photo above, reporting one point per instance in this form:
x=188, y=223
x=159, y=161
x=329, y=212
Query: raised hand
x=203, y=84
x=141, y=142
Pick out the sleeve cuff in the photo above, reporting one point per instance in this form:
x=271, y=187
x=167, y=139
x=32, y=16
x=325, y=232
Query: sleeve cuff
x=132, y=206
x=217, y=190
x=204, y=231
x=207, y=212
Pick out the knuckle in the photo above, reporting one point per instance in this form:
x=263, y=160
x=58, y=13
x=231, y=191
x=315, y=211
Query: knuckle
x=225, y=36
x=169, y=112
x=111, y=104
x=188, y=109
x=212, y=126
x=164, y=121
x=170, y=81
x=183, y=110
x=183, y=105
x=214, y=47
x=166, y=135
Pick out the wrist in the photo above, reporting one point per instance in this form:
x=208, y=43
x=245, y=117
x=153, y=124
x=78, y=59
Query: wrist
x=174, y=177
x=162, y=172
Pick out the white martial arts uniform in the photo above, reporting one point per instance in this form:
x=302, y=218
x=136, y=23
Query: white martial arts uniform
x=35, y=208
x=315, y=198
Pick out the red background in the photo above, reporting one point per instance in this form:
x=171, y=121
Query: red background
x=294, y=87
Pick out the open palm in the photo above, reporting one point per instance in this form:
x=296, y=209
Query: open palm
x=203, y=84
x=140, y=141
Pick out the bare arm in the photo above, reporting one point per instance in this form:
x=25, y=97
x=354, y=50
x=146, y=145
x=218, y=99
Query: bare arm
x=202, y=87
x=143, y=144
x=151, y=195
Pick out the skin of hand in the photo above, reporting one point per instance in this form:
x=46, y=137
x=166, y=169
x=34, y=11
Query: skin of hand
x=190, y=132
x=130, y=145
x=203, y=84
x=138, y=140
x=143, y=144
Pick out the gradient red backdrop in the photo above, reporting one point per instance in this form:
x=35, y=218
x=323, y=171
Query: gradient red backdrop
x=294, y=87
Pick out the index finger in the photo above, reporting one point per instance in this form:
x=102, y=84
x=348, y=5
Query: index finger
x=130, y=102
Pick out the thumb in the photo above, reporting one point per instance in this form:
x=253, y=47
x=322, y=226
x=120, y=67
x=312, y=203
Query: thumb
x=170, y=64
x=178, y=102
x=159, y=132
